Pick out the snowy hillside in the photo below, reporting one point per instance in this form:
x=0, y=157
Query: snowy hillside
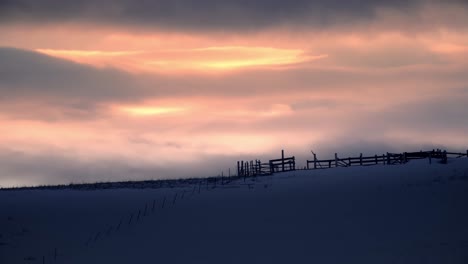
x=412, y=213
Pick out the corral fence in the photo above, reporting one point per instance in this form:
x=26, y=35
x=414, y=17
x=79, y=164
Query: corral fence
x=283, y=164
x=386, y=159
x=257, y=167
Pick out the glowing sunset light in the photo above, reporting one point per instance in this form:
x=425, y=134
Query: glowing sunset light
x=150, y=111
x=222, y=58
x=232, y=64
x=229, y=57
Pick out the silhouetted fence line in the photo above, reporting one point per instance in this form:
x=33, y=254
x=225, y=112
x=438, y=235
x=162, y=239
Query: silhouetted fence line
x=386, y=159
x=257, y=168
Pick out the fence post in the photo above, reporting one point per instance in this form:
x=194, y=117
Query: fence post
x=294, y=163
x=360, y=159
x=242, y=168
x=256, y=167
x=282, y=160
x=238, y=168
x=376, y=159
x=336, y=160
x=388, y=158
x=315, y=161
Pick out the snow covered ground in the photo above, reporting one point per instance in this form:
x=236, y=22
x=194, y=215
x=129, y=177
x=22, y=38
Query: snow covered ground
x=413, y=213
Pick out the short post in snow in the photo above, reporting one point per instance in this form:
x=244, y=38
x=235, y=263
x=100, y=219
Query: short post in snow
x=242, y=168
x=282, y=160
x=315, y=161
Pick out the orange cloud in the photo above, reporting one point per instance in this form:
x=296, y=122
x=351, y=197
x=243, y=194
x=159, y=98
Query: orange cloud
x=151, y=110
x=198, y=59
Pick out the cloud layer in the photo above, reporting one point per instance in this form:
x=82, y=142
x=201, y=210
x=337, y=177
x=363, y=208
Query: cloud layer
x=234, y=15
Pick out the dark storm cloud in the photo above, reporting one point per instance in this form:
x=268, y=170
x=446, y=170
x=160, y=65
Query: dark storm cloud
x=205, y=14
x=25, y=74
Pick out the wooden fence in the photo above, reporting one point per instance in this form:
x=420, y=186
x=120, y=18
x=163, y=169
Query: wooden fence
x=255, y=168
x=387, y=159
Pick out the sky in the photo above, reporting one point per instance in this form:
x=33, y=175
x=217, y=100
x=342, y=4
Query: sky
x=129, y=90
